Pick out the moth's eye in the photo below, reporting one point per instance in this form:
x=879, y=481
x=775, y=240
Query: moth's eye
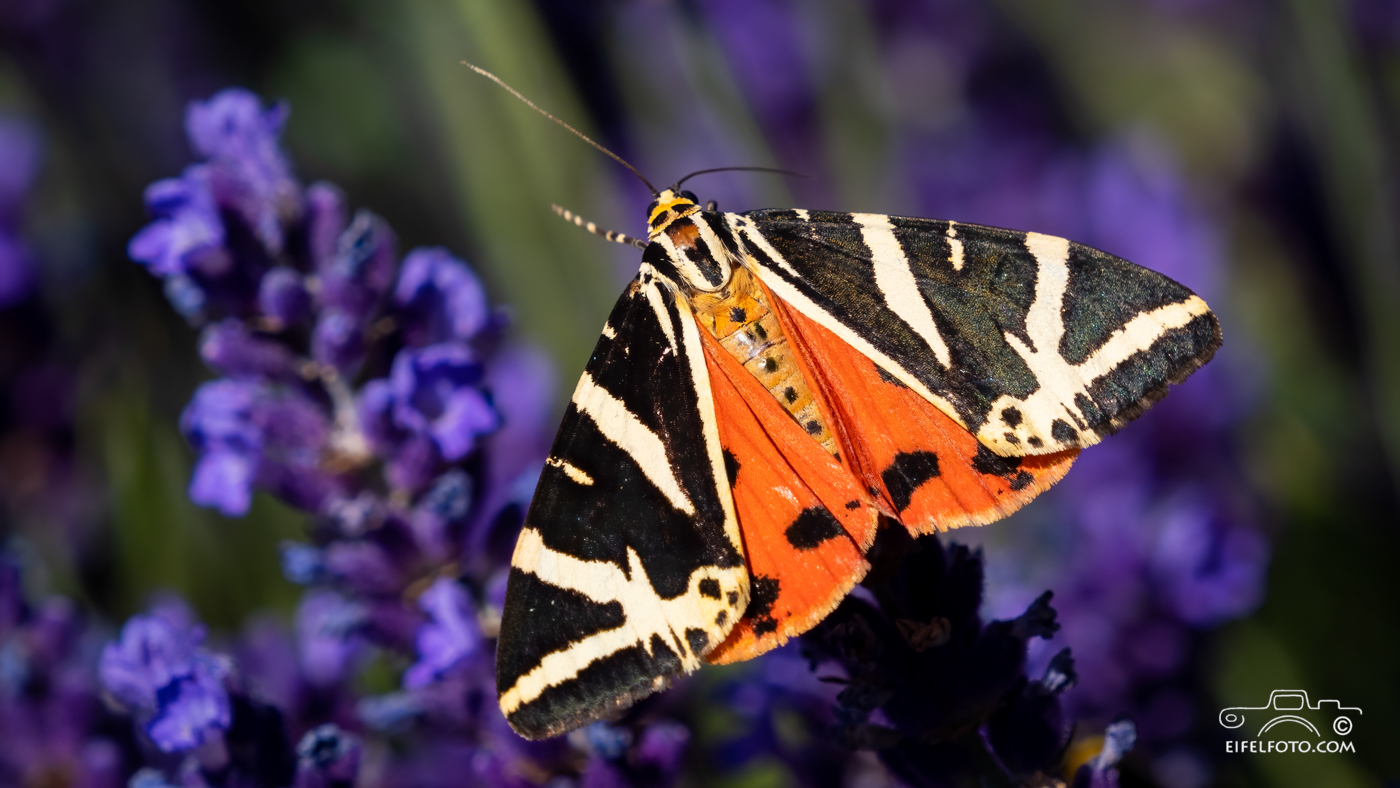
x=690, y=196
x=652, y=207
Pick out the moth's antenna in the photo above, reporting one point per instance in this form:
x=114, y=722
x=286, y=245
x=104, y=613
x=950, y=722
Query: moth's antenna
x=616, y=237
x=580, y=134
x=741, y=169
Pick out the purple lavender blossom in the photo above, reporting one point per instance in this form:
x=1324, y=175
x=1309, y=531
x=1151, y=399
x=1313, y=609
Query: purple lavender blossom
x=328, y=639
x=246, y=166
x=354, y=282
x=158, y=670
x=283, y=298
x=50, y=713
x=252, y=433
x=188, y=233
x=428, y=411
x=441, y=300
x=450, y=635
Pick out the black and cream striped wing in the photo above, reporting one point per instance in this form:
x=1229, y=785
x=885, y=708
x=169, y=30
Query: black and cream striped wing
x=629, y=567
x=1033, y=343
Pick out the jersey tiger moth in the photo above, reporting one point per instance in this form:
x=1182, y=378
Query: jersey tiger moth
x=769, y=386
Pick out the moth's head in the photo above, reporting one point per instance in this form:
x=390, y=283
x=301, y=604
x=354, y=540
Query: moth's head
x=670, y=205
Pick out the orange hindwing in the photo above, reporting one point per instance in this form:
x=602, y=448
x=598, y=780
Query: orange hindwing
x=927, y=468
x=804, y=518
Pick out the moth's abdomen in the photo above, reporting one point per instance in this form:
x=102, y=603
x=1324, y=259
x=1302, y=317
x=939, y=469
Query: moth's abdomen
x=747, y=329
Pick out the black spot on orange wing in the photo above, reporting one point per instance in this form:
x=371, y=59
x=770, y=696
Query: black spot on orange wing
x=731, y=467
x=812, y=527
x=763, y=594
x=908, y=473
x=932, y=473
x=993, y=464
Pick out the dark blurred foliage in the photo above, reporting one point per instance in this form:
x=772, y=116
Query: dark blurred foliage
x=1236, y=540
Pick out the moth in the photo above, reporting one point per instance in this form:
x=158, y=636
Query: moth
x=771, y=388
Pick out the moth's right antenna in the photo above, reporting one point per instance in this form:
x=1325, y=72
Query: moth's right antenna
x=580, y=134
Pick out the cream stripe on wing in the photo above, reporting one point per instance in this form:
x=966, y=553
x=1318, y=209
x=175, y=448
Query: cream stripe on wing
x=571, y=470
x=742, y=227
x=705, y=401
x=955, y=247
x=620, y=426
x=657, y=300
x=895, y=279
x=644, y=612
x=1139, y=334
x=799, y=301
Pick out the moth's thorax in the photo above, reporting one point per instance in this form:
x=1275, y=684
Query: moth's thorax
x=741, y=318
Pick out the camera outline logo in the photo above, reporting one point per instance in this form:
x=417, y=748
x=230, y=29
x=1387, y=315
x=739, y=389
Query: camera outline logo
x=1277, y=712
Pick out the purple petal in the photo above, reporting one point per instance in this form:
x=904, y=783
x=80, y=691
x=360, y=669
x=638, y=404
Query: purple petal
x=467, y=416
x=191, y=708
x=152, y=651
x=338, y=340
x=229, y=348
x=223, y=480
x=219, y=416
x=374, y=406
x=283, y=299
x=450, y=636
x=187, y=221
x=414, y=465
x=327, y=628
x=249, y=173
x=441, y=299
x=325, y=221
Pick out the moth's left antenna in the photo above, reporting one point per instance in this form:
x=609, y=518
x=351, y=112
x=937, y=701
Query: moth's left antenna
x=580, y=134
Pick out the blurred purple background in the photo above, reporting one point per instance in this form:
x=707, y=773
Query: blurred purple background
x=286, y=328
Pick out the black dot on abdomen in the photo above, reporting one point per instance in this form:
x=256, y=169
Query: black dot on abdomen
x=790, y=394
x=813, y=427
x=770, y=364
x=737, y=314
